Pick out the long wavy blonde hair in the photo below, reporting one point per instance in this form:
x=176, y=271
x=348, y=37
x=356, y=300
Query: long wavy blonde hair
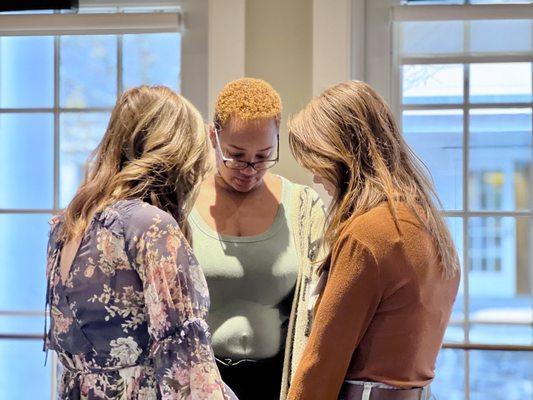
x=349, y=137
x=155, y=149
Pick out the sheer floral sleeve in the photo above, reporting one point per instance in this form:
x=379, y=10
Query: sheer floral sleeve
x=176, y=304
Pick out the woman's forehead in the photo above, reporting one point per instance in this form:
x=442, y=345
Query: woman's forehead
x=235, y=123
x=250, y=133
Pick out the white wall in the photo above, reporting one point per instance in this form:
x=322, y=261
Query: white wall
x=194, y=53
x=226, y=41
x=300, y=46
x=279, y=50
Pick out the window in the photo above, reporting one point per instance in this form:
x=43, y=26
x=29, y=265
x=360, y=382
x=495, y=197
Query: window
x=464, y=94
x=56, y=94
x=466, y=1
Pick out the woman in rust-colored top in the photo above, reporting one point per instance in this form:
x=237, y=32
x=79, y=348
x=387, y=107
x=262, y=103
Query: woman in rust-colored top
x=390, y=280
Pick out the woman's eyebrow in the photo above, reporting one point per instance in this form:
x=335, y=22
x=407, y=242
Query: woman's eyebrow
x=241, y=149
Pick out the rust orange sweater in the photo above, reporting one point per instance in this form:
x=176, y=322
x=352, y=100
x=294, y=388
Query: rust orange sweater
x=384, y=309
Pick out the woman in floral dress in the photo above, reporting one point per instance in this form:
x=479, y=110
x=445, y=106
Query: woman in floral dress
x=126, y=298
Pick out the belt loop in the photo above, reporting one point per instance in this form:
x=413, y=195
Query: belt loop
x=366, y=391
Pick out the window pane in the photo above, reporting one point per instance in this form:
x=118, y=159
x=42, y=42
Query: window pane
x=80, y=135
x=500, y=375
x=431, y=37
x=88, y=71
x=435, y=1
x=455, y=330
x=500, y=280
x=469, y=1
x=432, y=84
x=22, y=324
x=500, y=1
x=152, y=59
x=500, y=83
x=500, y=36
x=518, y=333
x=500, y=159
x=449, y=382
x=436, y=136
x=28, y=12
x=23, y=239
x=27, y=72
x=22, y=371
x=26, y=160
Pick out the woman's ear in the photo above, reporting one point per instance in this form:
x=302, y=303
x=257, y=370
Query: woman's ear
x=212, y=133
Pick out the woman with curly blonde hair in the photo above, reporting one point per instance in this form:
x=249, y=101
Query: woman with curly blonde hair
x=127, y=300
x=256, y=235
x=392, y=274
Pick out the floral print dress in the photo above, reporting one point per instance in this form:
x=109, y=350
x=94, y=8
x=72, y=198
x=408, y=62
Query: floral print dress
x=129, y=322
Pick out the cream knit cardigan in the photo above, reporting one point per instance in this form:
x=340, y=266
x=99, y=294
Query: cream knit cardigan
x=308, y=221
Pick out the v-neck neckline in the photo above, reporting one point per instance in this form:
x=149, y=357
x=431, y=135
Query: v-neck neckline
x=69, y=271
x=76, y=254
x=274, y=227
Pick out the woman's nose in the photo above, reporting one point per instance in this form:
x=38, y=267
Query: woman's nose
x=249, y=171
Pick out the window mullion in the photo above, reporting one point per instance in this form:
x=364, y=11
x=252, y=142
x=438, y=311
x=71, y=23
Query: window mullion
x=466, y=208
x=120, y=82
x=57, y=60
x=57, y=152
x=530, y=188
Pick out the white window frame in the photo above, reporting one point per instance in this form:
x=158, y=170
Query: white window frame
x=390, y=74
x=370, y=39
x=382, y=70
x=88, y=22
x=464, y=12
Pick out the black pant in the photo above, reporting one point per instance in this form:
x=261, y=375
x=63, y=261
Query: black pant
x=253, y=380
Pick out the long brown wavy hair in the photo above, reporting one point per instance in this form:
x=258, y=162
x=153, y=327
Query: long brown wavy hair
x=348, y=136
x=155, y=149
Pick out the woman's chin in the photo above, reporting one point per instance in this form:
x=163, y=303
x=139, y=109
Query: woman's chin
x=243, y=185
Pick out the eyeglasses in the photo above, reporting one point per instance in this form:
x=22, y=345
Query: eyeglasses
x=231, y=163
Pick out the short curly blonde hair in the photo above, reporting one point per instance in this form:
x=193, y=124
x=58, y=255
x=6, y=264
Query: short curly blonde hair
x=248, y=99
